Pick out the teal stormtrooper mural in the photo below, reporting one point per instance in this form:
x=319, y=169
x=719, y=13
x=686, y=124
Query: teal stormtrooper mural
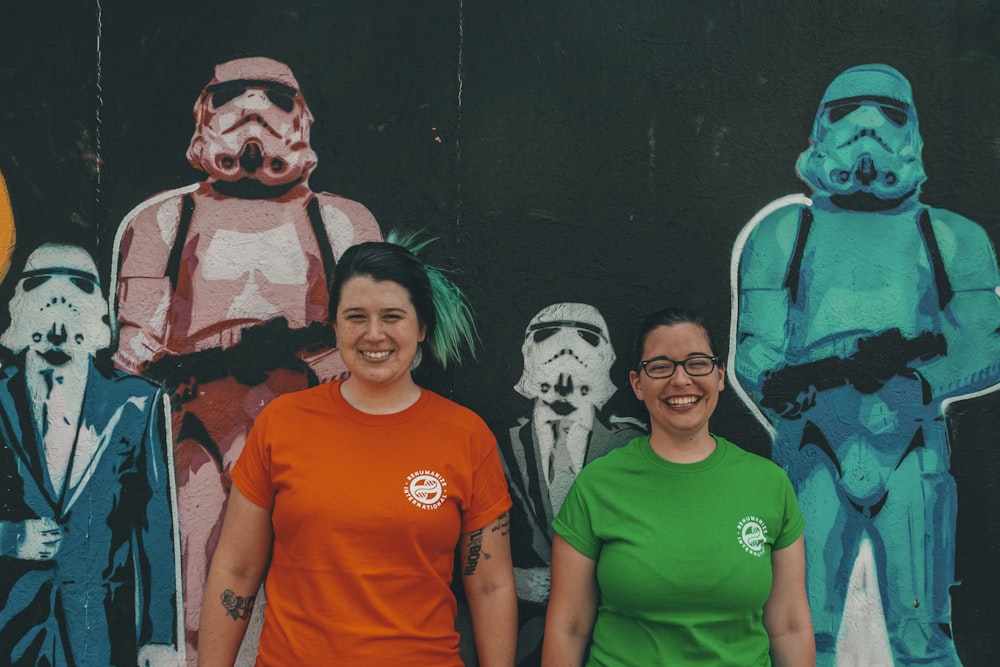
x=860, y=313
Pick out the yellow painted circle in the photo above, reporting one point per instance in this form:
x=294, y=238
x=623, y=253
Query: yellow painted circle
x=6, y=229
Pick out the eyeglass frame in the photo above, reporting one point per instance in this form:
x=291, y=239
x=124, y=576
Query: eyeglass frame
x=716, y=362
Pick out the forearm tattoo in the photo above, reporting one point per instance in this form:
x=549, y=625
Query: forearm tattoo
x=476, y=545
x=237, y=606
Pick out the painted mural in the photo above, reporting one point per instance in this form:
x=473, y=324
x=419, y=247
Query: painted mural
x=561, y=153
x=222, y=287
x=859, y=315
x=7, y=230
x=567, y=363
x=88, y=548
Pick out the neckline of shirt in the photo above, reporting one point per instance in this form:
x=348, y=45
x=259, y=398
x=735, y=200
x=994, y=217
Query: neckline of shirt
x=341, y=405
x=712, y=460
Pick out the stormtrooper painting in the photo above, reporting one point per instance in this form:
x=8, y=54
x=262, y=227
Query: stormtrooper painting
x=860, y=313
x=88, y=555
x=221, y=287
x=567, y=363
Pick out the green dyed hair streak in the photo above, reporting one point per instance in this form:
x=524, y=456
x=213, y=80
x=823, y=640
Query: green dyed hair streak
x=455, y=327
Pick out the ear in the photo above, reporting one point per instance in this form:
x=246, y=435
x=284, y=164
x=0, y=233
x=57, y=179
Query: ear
x=722, y=376
x=423, y=333
x=635, y=379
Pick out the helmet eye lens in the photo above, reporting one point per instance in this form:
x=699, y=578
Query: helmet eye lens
x=895, y=116
x=840, y=112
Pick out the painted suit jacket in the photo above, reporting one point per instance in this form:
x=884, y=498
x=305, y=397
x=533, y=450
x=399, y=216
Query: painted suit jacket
x=531, y=515
x=111, y=586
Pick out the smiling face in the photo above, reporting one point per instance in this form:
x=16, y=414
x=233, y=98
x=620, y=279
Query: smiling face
x=377, y=331
x=681, y=405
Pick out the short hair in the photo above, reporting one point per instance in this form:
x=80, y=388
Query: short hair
x=440, y=304
x=667, y=317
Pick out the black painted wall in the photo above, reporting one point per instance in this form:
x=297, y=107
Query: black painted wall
x=596, y=151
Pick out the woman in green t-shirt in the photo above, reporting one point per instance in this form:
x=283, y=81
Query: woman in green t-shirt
x=679, y=548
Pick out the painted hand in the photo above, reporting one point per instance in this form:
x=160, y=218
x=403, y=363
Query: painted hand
x=38, y=539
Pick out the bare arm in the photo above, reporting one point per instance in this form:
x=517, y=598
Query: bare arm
x=488, y=577
x=572, y=607
x=786, y=612
x=233, y=579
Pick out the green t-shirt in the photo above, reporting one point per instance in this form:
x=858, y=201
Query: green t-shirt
x=683, y=553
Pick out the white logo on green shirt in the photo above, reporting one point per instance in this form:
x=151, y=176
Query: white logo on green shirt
x=752, y=535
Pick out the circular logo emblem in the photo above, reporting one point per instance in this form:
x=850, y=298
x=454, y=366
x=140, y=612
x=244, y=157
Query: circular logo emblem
x=426, y=489
x=752, y=535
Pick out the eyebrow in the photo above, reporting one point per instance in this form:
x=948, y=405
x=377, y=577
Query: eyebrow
x=691, y=355
x=362, y=309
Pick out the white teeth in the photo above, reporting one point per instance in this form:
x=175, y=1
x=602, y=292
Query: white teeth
x=376, y=355
x=679, y=401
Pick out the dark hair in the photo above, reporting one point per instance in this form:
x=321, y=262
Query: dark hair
x=385, y=261
x=439, y=303
x=667, y=317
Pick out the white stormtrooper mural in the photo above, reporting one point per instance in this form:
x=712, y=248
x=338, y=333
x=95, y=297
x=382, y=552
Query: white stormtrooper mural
x=860, y=314
x=222, y=287
x=88, y=548
x=567, y=363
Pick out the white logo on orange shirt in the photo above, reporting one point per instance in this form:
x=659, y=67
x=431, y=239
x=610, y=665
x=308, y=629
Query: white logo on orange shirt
x=426, y=489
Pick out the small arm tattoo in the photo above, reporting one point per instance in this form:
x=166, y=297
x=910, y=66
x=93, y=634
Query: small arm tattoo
x=237, y=606
x=502, y=524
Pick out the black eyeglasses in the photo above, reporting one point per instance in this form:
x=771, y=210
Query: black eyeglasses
x=661, y=367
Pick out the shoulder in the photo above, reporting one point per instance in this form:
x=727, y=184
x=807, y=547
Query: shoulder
x=347, y=222
x=120, y=382
x=769, y=238
x=296, y=401
x=777, y=220
x=440, y=408
x=616, y=462
x=956, y=234
x=965, y=249
x=612, y=434
x=152, y=209
x=752, y=464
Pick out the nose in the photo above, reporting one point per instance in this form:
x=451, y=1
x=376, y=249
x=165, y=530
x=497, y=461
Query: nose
x=373, y=329
x=680, y=375
x=564, y=387
x=57, y=334
x=253, y=99
x=868, y=116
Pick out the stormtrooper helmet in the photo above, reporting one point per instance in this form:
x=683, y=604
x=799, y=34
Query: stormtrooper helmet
x=865, y=139
x=58, y=310
x=252, y=123
x=567, y=359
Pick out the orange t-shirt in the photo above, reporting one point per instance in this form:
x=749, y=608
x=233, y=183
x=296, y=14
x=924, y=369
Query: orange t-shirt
x=367, y=512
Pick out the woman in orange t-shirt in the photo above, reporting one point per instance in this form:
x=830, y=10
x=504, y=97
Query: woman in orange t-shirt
x=353, y=496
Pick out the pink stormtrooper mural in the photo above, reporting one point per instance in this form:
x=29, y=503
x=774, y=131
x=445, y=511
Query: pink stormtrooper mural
x=222, y=287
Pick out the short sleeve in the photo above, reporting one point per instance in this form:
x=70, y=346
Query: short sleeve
x=574, y=523
x=794, y=523
x=252, y=472
x=490, y=497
